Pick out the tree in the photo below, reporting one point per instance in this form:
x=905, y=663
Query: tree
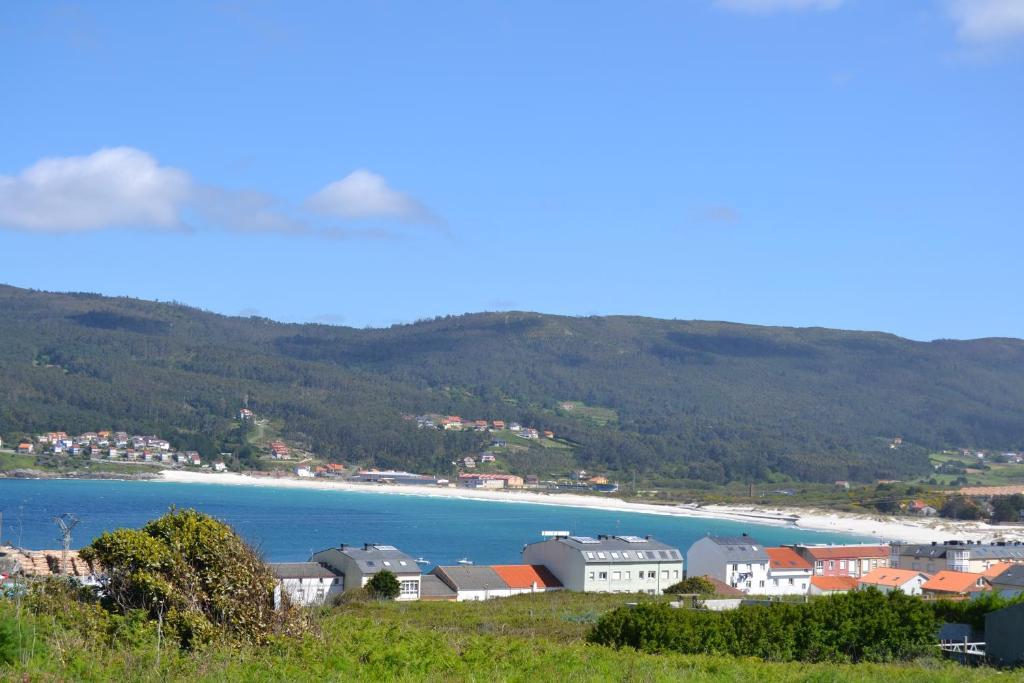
x=194, y=574
x=384, y=586
x=694, y=584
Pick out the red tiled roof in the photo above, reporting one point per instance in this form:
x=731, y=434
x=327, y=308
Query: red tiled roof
x=786, y=558
x=887, y=576
x=525, y=575
x=834, y=583
x=996, y=569
x=948, y=581
x=837, y=552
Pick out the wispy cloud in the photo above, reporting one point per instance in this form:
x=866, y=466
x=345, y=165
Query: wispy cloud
x=364, y=194
x=124, y=187
x=769, y=6
x=987, y=21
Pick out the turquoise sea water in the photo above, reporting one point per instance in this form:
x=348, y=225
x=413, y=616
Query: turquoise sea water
x=289, y=524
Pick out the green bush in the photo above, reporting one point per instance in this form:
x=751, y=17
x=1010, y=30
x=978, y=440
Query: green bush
x=858, y=626
x=384, y=586
x=694, y=584
x=8, y=640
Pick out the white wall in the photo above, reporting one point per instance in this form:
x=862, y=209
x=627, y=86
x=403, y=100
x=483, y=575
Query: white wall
x=308, y=591
x=779, y=582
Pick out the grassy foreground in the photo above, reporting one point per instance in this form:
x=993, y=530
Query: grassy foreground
x=525, y=638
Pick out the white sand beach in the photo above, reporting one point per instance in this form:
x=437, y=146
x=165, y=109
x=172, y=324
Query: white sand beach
x=882, y=527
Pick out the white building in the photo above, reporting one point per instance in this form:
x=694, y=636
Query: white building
x=608, y=564
x=739, y=561
x=359, y=564
x=788, y=573
x=888, y=579
x=473, y=583
x=306, y=583
x=303, y=472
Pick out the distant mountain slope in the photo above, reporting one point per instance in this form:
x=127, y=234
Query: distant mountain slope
x=695, y=400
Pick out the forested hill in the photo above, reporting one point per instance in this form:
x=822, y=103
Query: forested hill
x=686, y=400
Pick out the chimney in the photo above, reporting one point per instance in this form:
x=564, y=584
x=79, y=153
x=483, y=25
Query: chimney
x=367, y=546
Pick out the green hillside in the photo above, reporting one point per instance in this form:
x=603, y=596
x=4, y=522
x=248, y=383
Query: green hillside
x=687, y=400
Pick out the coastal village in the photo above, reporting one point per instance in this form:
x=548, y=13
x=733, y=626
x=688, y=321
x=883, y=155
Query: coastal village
x=738, y=569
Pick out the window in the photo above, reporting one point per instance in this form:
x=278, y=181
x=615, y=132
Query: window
x=410, y=588
x=651, y=575
x=874, y=564
x=776, y=581
x=387, y=563
x=603, y=576
x=591, y=576
x=300, y=595
x=675, y=573
x=791, y=582
x=590, y=555
x=818, y=567
x=831, y=564
x=664, y=574
x=626, y=575
x=762, y=584
x=602, y=556
x=616, y=576
x=842, y=564
x=403, y=563
x=319, y=594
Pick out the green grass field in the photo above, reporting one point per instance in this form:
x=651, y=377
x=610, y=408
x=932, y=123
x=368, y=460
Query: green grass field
x=596, y=414
x=526, y=638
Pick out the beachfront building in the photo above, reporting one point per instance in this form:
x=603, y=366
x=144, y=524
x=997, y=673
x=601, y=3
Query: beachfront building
x=830, y=585
x=359, y=564
x=889, y=579
x=608, y=564
x=490, y=481
x=397, y=477
x=473, y=583
x=306, y=583
x=844, y=560
x=788, y=573
x=958, y=556
x=738, y=561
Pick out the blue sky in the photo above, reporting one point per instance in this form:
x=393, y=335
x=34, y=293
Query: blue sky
x=843, y=163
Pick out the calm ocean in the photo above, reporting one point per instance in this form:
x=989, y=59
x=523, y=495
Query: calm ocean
x=289, y=524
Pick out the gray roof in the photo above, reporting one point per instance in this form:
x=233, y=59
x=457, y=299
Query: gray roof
x=1011, y=576
x=431, y=586
x=990, y=551
x=371, y=558
x=740, y=548
x=463, y=578
x=302, y=570
x=605, y=549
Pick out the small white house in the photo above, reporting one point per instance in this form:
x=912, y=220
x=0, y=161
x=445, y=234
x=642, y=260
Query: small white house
x=219, y=466
x=788, y=573
x=888, y=579
x=738, y=561
x=473, y=583
x=303, y=472
x=306, y=583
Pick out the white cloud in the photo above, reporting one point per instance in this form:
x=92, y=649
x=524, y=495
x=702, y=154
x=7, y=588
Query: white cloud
x=987, y=21
x=364, y=194
x=767, y=6
x=115, y=187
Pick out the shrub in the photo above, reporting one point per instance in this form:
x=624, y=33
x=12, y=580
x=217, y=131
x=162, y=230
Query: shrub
x=195, y=573
x=8, y=640
x=858, y=626
x=383, y=586
x=694, y=584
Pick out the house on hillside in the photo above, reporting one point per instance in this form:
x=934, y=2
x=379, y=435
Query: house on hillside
x=788, y=573
x=950, y=584
x=738, y=561
x=469, y=463
x=919, y=507
x=844, y=560
x=608, y=564
x=25, y=447
x=830, y=585
x=359, y=564
x=888, y=579
x=306, y=583
x=452, y=422
x=527, y=578
x=498, y=424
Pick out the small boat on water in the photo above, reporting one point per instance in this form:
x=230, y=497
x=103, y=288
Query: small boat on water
x=422, y=560
x=465, y=560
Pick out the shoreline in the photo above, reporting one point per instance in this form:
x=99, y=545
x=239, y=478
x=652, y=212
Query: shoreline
x=880, y=527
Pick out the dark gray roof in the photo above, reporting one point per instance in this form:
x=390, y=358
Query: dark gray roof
x=977, y=551
x=431, y=586
x=605, y=549
x=1011, y=576
x=463, y=578
x=371, y=558
x=740, y=548
x=302, y=570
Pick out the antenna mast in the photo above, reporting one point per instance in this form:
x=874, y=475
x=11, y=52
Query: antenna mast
x=66, y=522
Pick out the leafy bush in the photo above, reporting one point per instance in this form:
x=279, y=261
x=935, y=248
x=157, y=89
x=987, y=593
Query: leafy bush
x=8, y=640
x=858, y=626
x=384, y=586
x=694, y=584
x=195, y=574
x=972, y=611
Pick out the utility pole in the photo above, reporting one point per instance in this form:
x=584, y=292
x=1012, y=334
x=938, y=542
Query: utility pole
x=66, y=522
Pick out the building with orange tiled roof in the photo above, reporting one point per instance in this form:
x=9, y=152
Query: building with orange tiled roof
x=844, y=560
x=527, y=578
x=996, y=569
x=948, y=583
x=828, y=585
x=888, y=579
x=788, y=572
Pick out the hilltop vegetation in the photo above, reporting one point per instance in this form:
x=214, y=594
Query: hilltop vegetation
x=696, y=401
